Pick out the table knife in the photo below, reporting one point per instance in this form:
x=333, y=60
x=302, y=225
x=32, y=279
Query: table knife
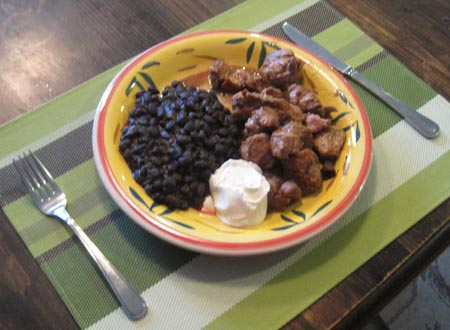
x=420, y=123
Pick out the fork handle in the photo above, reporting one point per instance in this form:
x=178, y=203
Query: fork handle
x=132, y=303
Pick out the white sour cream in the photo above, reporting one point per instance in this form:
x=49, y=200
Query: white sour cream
x=239, y=192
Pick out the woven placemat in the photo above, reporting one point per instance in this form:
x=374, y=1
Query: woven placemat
x=185, y=290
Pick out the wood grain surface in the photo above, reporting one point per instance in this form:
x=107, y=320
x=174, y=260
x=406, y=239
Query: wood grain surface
x=49, y=47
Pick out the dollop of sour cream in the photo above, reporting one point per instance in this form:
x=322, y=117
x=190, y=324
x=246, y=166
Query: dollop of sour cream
x=239, y=192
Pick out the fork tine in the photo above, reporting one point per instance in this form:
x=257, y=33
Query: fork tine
x=34, y=171
x=42, y=173
x=24, y=175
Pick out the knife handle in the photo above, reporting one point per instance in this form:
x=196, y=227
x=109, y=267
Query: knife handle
x=420, y=123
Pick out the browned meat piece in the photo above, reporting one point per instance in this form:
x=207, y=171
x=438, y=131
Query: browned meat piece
x=265, y=119
x=230, y=79
x=329, y=143
x=256, y=149
x=301, y=96
x=328, y=169
x=272, y=91
x=282, y=68
x=324, y=112
x=316, y=123
x=245, y=102
x=304, y=168
x=286, y=111
x=289, y=139
x=281, y=194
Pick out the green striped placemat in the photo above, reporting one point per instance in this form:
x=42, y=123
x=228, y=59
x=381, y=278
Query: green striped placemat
x=185, y=290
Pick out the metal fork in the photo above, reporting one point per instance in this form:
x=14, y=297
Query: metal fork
x=52, y=202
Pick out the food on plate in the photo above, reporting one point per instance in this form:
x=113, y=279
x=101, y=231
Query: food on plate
x=183, y=144
x=305, y=168
x=239, y=191
x=282, y=68
x=328, y=142
x=256, y=149
x=290, y=138
x=287, y=131
x=245, y=102
x=230, y=79
x=175, y=140
x=282, y=193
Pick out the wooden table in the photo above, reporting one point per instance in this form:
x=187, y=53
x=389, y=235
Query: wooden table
x=48, y=47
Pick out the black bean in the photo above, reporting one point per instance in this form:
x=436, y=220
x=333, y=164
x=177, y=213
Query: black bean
x=137, y=174
x=185, y=190
x=223, y=132
x=149, y=188
x=189, y=126
x=182, y=139
x=209, y=119
x=201, y=164
x=219, y=148
x=170, y=125
x=153, y=131
x=176, y=151
x=205, y=175
x=202, y=135
x=181, y=118
x=157, y=184
x=172, y=143
x=201, y=189
x=160, y=112
x=172, y=167
x=164, y=159
x=177, y=177
x=171, y=200
x=170, y=184
x=165, y=135
x=124, y=144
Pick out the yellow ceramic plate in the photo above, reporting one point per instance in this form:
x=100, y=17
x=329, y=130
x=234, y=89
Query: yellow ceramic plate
x=188, y=58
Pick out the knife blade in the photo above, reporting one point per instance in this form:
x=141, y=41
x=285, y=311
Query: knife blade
x=425, y=126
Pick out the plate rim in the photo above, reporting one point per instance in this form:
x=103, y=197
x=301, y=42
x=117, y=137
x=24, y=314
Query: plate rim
x=152, y=224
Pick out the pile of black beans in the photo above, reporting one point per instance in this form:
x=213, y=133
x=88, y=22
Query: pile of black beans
x=174, y=140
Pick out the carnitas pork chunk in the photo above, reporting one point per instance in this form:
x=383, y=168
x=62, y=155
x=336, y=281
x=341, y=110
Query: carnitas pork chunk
x=272, y=91
x=281, y=194
x=308, y=101
x=230, y=79
x=245, y=102
x=316, y=124
x=290, y=138
x=282, y=68
x=301, y=96
x=329, y=143
x=304, y=168
x=264, y=119
x=256, y=149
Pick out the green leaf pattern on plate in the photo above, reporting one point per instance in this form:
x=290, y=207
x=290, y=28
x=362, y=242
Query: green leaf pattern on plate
x=345, y=99
x=251, y=49
x=142, y=80
x=339, y=117
x=235, y=41
x=292, y=221
x=354, y=127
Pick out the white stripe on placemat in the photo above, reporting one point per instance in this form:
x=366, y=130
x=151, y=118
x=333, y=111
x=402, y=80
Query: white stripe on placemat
x=205, y=288
x=53, y=136
x=283, y=16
